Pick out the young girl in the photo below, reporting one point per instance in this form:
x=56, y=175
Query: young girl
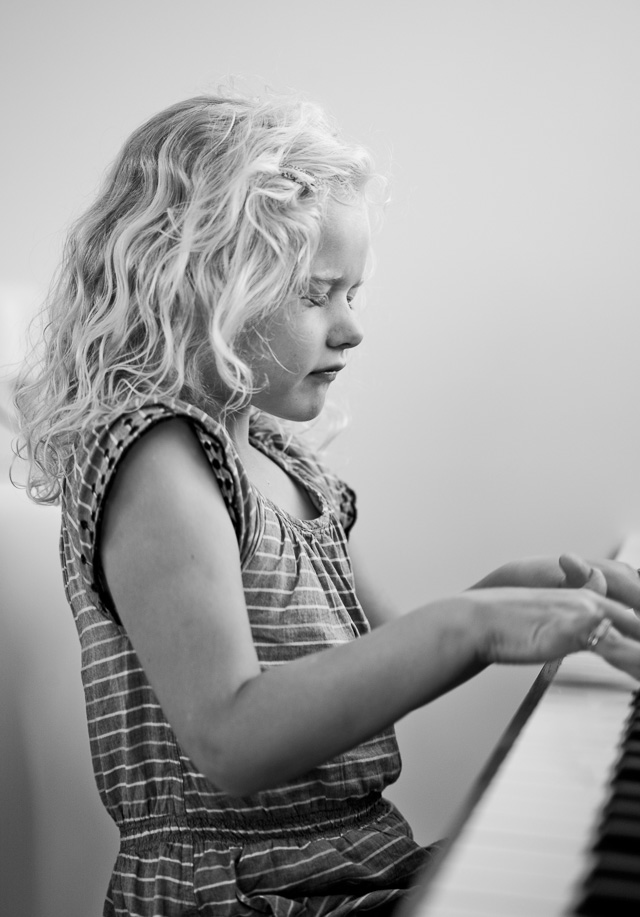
x=242, y=670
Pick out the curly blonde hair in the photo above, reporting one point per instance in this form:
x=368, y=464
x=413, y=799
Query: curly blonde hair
x=206, y=224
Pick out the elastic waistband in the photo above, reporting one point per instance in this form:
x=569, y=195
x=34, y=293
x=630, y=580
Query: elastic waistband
x=242, y=827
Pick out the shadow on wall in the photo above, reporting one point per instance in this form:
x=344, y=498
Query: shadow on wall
x=57, y=843
x=18, y=834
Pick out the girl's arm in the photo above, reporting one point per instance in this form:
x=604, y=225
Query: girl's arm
x=170, y=556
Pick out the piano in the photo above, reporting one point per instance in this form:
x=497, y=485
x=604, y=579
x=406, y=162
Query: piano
x=552, y=826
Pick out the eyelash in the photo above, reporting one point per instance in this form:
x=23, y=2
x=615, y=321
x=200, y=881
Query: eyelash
x=322, y=301
x=319, y=301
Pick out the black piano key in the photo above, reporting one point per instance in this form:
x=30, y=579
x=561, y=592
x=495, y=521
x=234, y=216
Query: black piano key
x=619, y=866
x=627, y=790
x=622, y=806
x=628, y=768
x=607, y=897
x=619, y=835
x=632, y=749
x=617, y=825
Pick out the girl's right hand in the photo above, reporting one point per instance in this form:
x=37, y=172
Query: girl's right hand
x=535, y=625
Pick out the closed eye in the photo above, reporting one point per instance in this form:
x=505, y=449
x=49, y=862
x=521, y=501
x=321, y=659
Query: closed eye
x=320, y=299
x=324, y=299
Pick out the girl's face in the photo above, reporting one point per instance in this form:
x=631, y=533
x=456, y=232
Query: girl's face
x=307, y=341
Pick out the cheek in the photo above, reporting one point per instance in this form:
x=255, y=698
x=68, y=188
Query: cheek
x=294, y=342
x=276, y=359
x=285, y=344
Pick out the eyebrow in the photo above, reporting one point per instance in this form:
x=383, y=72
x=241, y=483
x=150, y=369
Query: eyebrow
x=332, y=281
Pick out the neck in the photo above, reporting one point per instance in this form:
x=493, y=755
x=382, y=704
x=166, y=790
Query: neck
x=237, y=426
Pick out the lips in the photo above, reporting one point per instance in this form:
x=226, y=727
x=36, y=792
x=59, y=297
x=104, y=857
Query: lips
x=328, y=374
x=329, y=370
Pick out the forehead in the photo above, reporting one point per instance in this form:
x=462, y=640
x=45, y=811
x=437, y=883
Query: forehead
x=344, y=240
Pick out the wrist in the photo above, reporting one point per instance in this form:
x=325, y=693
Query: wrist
x=465, y=632
x=481, y=626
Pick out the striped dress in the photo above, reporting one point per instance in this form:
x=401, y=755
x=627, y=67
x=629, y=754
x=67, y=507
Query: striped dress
x=326, y=843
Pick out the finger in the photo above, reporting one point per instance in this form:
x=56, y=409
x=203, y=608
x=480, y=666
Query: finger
x=579, y=574
x=585, y=622
x=619, y=651
x=624, y=619
x=576, y=571
x=597, y=582
x=623, y=581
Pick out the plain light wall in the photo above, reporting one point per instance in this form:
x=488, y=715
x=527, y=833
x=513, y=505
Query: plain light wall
x=494, y=398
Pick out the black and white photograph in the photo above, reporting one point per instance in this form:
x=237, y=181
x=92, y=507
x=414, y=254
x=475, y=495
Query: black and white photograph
x=319, y=451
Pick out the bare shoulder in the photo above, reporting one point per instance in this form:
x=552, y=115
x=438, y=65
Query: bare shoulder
x=164, y=497
x=164, y=463
x=165, y=452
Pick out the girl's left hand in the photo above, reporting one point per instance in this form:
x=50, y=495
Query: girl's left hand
x=623, y=581
x=612, y=578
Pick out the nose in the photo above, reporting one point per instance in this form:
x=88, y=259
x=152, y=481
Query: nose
x=346, y=330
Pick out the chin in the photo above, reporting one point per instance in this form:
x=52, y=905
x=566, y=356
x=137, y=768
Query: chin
x=298, y=410
x=296, y=414
x=301, y=416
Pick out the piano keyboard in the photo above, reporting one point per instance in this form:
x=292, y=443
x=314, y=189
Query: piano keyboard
x=537, y=841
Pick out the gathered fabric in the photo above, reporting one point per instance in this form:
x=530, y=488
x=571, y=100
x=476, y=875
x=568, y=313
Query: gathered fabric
x=327, y=843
